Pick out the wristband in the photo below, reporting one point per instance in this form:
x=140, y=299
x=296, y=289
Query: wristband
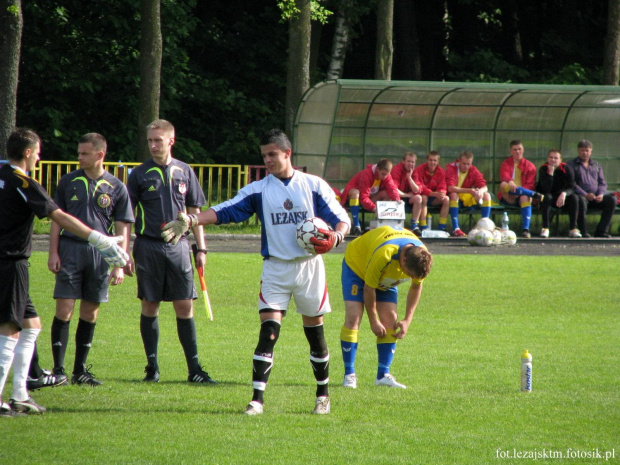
x=201, y=250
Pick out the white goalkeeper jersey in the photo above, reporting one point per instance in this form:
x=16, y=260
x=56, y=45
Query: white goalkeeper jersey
x=281, y=205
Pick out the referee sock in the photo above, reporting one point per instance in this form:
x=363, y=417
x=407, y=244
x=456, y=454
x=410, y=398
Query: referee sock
x=60, y=339
x=83, y=342
x=35, y=370
x=7, y=353
x=186, y=329
x=149, y=330
x=21, y=362
x=348, y=344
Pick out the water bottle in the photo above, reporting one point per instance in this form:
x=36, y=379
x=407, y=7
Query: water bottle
x=429, y=221
x=505, y=222
x=526, y=372
x=428, y=233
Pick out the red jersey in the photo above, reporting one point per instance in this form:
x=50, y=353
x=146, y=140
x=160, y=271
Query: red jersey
x=430, y=183
x=528, y=173
x=474, y=177
x=368, y=183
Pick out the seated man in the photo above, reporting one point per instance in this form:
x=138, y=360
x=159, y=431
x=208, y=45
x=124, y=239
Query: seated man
x=432, y=181
x=591, y=188
x=517, y=178
x=402, y=174
x=466, y=188
x=367, y=187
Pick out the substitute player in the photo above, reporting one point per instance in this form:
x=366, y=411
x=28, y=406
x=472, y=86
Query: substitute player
x=282, y=200
x=21, y=198
x=159, y=189
x=99, y=200
x=373, y=266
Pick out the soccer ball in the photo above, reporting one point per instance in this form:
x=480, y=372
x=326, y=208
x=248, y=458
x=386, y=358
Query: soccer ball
x=471, y=237
x=308, y=229
x=497, y=237
x=509, y=237
x=485, y=223
x=484, y=238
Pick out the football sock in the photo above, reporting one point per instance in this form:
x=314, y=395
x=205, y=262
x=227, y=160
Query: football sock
x=319, y=357
x=442, y=223
x=354, y=206
x=386, y=347
x=35, y=370
x=454, y=213
x=522, y=191
x=526, y=213
x=21, y=362
x=348, y=344
x=485, y=209
x=7, y=353
x=186, y=329
x=60, y=339
x=414, y=224
x=149, y=330
x=262, y=362
x=423, y=224
x=83, y=342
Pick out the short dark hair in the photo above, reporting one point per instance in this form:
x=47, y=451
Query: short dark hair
x=98, y=141
x=277, y=137
x=584, y=143
x=419, y=261
x=515, y=142
x=433, y=153
x=19, y=141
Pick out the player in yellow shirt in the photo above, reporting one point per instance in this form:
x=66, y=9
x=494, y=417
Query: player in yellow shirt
x=373, y=266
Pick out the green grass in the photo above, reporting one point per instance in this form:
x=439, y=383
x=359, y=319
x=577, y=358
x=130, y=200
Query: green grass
x=460, y=361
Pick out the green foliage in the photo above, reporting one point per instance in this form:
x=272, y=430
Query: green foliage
x=484, y=66
x=460, y=361
x=318, y=12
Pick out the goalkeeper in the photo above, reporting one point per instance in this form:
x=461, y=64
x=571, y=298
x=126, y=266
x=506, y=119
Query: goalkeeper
x=373, y=266
x=21, y=198
x=282, y=200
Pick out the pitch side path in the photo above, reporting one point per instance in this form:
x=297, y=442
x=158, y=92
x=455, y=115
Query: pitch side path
x=250, y=243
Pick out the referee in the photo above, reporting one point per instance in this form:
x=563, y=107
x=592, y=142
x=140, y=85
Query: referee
x=21, y=198
x=159, y=189
x=101, y=201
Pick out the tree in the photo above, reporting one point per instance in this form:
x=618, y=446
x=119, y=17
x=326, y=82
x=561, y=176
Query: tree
x=151, y=51
x=611, y=59
x=298, y=71
x=11, y=24
x=406, y=33
x=384, y=51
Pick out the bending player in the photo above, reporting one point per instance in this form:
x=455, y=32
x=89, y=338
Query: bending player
x=282, y=200
x=373, y=266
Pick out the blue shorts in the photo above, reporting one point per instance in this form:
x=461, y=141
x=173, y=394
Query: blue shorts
x=353, y=288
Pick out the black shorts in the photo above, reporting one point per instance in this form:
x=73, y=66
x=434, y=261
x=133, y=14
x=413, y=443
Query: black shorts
x=164, y=271
x=15, y=303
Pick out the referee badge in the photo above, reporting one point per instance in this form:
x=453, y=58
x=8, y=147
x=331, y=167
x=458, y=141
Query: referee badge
x=104, y=201
x=182, y=188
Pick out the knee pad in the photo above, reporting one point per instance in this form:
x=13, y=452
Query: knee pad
x=316, y=338
x=269, y=333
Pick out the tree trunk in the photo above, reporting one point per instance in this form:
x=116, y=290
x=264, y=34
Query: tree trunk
x=339, y=45
x=407, y=50
x=298, y=71
x=151, y=50
x=385, y=48
x=513, y=31
x=611, y=60
x=11, y=23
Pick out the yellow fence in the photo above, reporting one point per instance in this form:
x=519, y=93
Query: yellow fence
x=220, y=182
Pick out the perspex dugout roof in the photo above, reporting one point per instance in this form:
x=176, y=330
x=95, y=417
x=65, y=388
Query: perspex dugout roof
x=343, y=125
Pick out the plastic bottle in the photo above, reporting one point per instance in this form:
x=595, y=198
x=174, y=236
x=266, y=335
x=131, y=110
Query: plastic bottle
x=526, y=372
x=505, y=222
x=429, y=221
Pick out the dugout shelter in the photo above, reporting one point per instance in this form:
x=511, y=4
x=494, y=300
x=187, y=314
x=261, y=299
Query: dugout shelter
x=343, y=125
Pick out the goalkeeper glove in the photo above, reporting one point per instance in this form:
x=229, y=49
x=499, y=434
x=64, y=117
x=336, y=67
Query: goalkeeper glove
x=108, y=247
x=173, y=231
x=332, y=239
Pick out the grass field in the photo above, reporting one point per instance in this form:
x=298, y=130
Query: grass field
x=460, y=361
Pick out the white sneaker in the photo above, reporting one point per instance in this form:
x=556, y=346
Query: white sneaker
x=390, y=381
x=350, y=381
x=322, y=406
x=544, y=232
x=254, y=408
x=574, y=233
